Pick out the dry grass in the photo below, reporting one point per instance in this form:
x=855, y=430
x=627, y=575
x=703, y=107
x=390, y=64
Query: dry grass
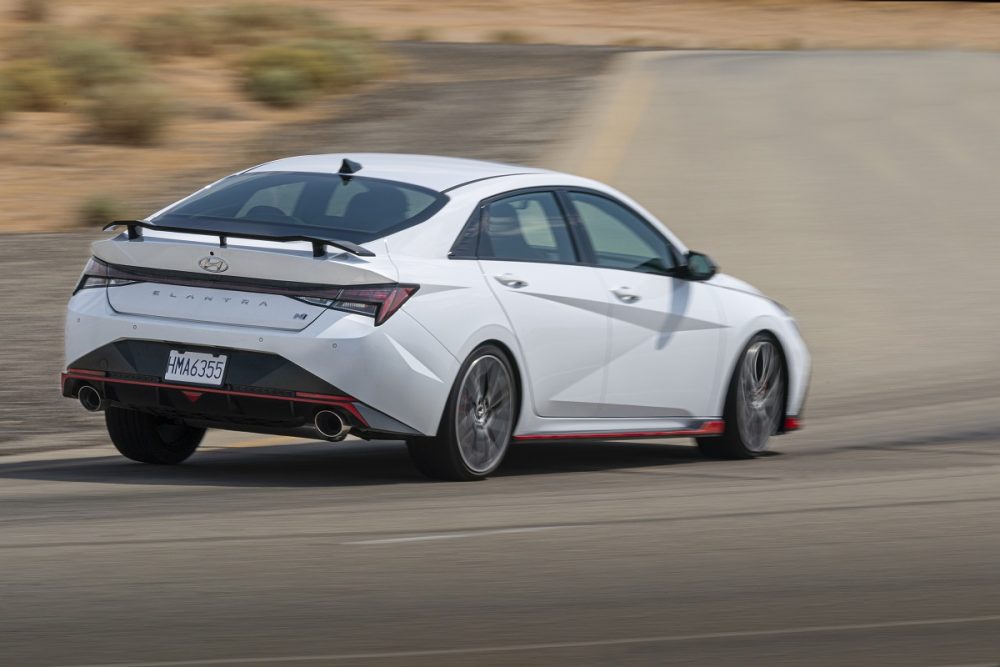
x=175, y=32
x=51, y=162
x=115, y=115
x=89, y=63
x=420, y=34
x=35, y=85
x=36, y=11
x=292, y=72
x=509, y=36
x=133, y=113
x=208, y=30
x=98, y=210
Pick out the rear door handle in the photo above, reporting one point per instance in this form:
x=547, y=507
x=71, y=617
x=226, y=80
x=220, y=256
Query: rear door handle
x=510, y=280
x=625, y=295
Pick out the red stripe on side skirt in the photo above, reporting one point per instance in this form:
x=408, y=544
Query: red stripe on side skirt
x=715, y=427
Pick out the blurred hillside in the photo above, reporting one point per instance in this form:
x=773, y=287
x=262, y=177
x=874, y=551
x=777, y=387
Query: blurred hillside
x=109, y=109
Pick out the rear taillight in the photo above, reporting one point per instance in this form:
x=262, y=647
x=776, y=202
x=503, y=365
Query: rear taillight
x=376, y=302
x=99, y=274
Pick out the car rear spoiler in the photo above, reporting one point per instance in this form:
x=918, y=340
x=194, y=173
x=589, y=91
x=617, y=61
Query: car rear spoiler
x=246, y=229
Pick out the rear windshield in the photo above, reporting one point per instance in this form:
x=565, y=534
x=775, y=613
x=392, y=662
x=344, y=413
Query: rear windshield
x=356, y=209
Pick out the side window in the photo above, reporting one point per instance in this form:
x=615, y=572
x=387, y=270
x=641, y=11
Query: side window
x=620, y=238
x=528, y=227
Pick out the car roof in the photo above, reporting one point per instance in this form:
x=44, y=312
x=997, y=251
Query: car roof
x=428, y=171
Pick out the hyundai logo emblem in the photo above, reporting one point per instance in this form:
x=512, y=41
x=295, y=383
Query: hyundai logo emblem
x=213, y=264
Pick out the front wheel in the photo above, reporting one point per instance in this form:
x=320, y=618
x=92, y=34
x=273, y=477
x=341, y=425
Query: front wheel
x=478, y=421
x=147, y=438
x=754, y=404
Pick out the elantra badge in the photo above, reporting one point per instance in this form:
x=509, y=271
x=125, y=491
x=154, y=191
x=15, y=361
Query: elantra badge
x=213, y=264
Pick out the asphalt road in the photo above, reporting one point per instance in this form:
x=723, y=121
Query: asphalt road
x=858, y=189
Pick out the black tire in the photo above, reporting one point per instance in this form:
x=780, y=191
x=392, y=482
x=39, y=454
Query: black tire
x=150, y=439
x=749, y=428
x=452, y=455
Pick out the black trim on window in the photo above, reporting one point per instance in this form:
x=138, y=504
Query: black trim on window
x=584, y=249
x=468, y=239
x=484, y=178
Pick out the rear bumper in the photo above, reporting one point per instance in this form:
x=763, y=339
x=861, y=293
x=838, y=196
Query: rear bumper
x=396, y=376
x=262, y=409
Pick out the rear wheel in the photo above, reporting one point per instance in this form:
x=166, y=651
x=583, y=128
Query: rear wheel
x=478, y=421
x=150, y=439
x=754, y=404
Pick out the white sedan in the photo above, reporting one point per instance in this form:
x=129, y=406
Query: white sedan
x=454, y=304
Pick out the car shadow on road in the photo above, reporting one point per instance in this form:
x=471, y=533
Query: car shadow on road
x=316, y=464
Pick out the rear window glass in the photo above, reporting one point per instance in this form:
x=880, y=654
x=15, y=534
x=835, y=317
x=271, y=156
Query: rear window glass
x=357, y=209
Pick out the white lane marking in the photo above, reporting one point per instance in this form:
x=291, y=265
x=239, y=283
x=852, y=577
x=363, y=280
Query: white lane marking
x=809, y=629
x=457, y=535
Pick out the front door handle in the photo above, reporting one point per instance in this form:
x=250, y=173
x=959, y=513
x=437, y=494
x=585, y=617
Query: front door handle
x=625, y=295
x=510, y=280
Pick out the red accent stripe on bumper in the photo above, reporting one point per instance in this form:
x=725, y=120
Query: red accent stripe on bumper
x=344, y=402
x=81, y=371
x=715, y=427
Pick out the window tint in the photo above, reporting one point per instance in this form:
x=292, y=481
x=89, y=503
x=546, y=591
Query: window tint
x=619, y=237
x=281, y=197
x=528, y=227
x=343, y=198
x=359, y=209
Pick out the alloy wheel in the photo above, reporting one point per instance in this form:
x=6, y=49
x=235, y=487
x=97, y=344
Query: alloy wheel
x=761, y=388
x=484, y=418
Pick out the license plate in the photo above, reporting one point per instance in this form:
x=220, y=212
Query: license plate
x=196, y=367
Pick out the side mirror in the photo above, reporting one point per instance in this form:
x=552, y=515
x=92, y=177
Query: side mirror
x=699, y=266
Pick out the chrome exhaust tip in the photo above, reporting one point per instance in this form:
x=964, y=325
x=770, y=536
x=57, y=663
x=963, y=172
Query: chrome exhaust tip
x=331, y=426
x=90, y=399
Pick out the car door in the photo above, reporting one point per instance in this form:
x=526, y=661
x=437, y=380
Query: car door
x=666, y=332
x=557, y=308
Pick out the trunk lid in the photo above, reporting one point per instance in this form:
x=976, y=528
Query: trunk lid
x=247, y=283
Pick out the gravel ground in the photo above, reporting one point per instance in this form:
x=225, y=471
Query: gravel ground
x=497, y=102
